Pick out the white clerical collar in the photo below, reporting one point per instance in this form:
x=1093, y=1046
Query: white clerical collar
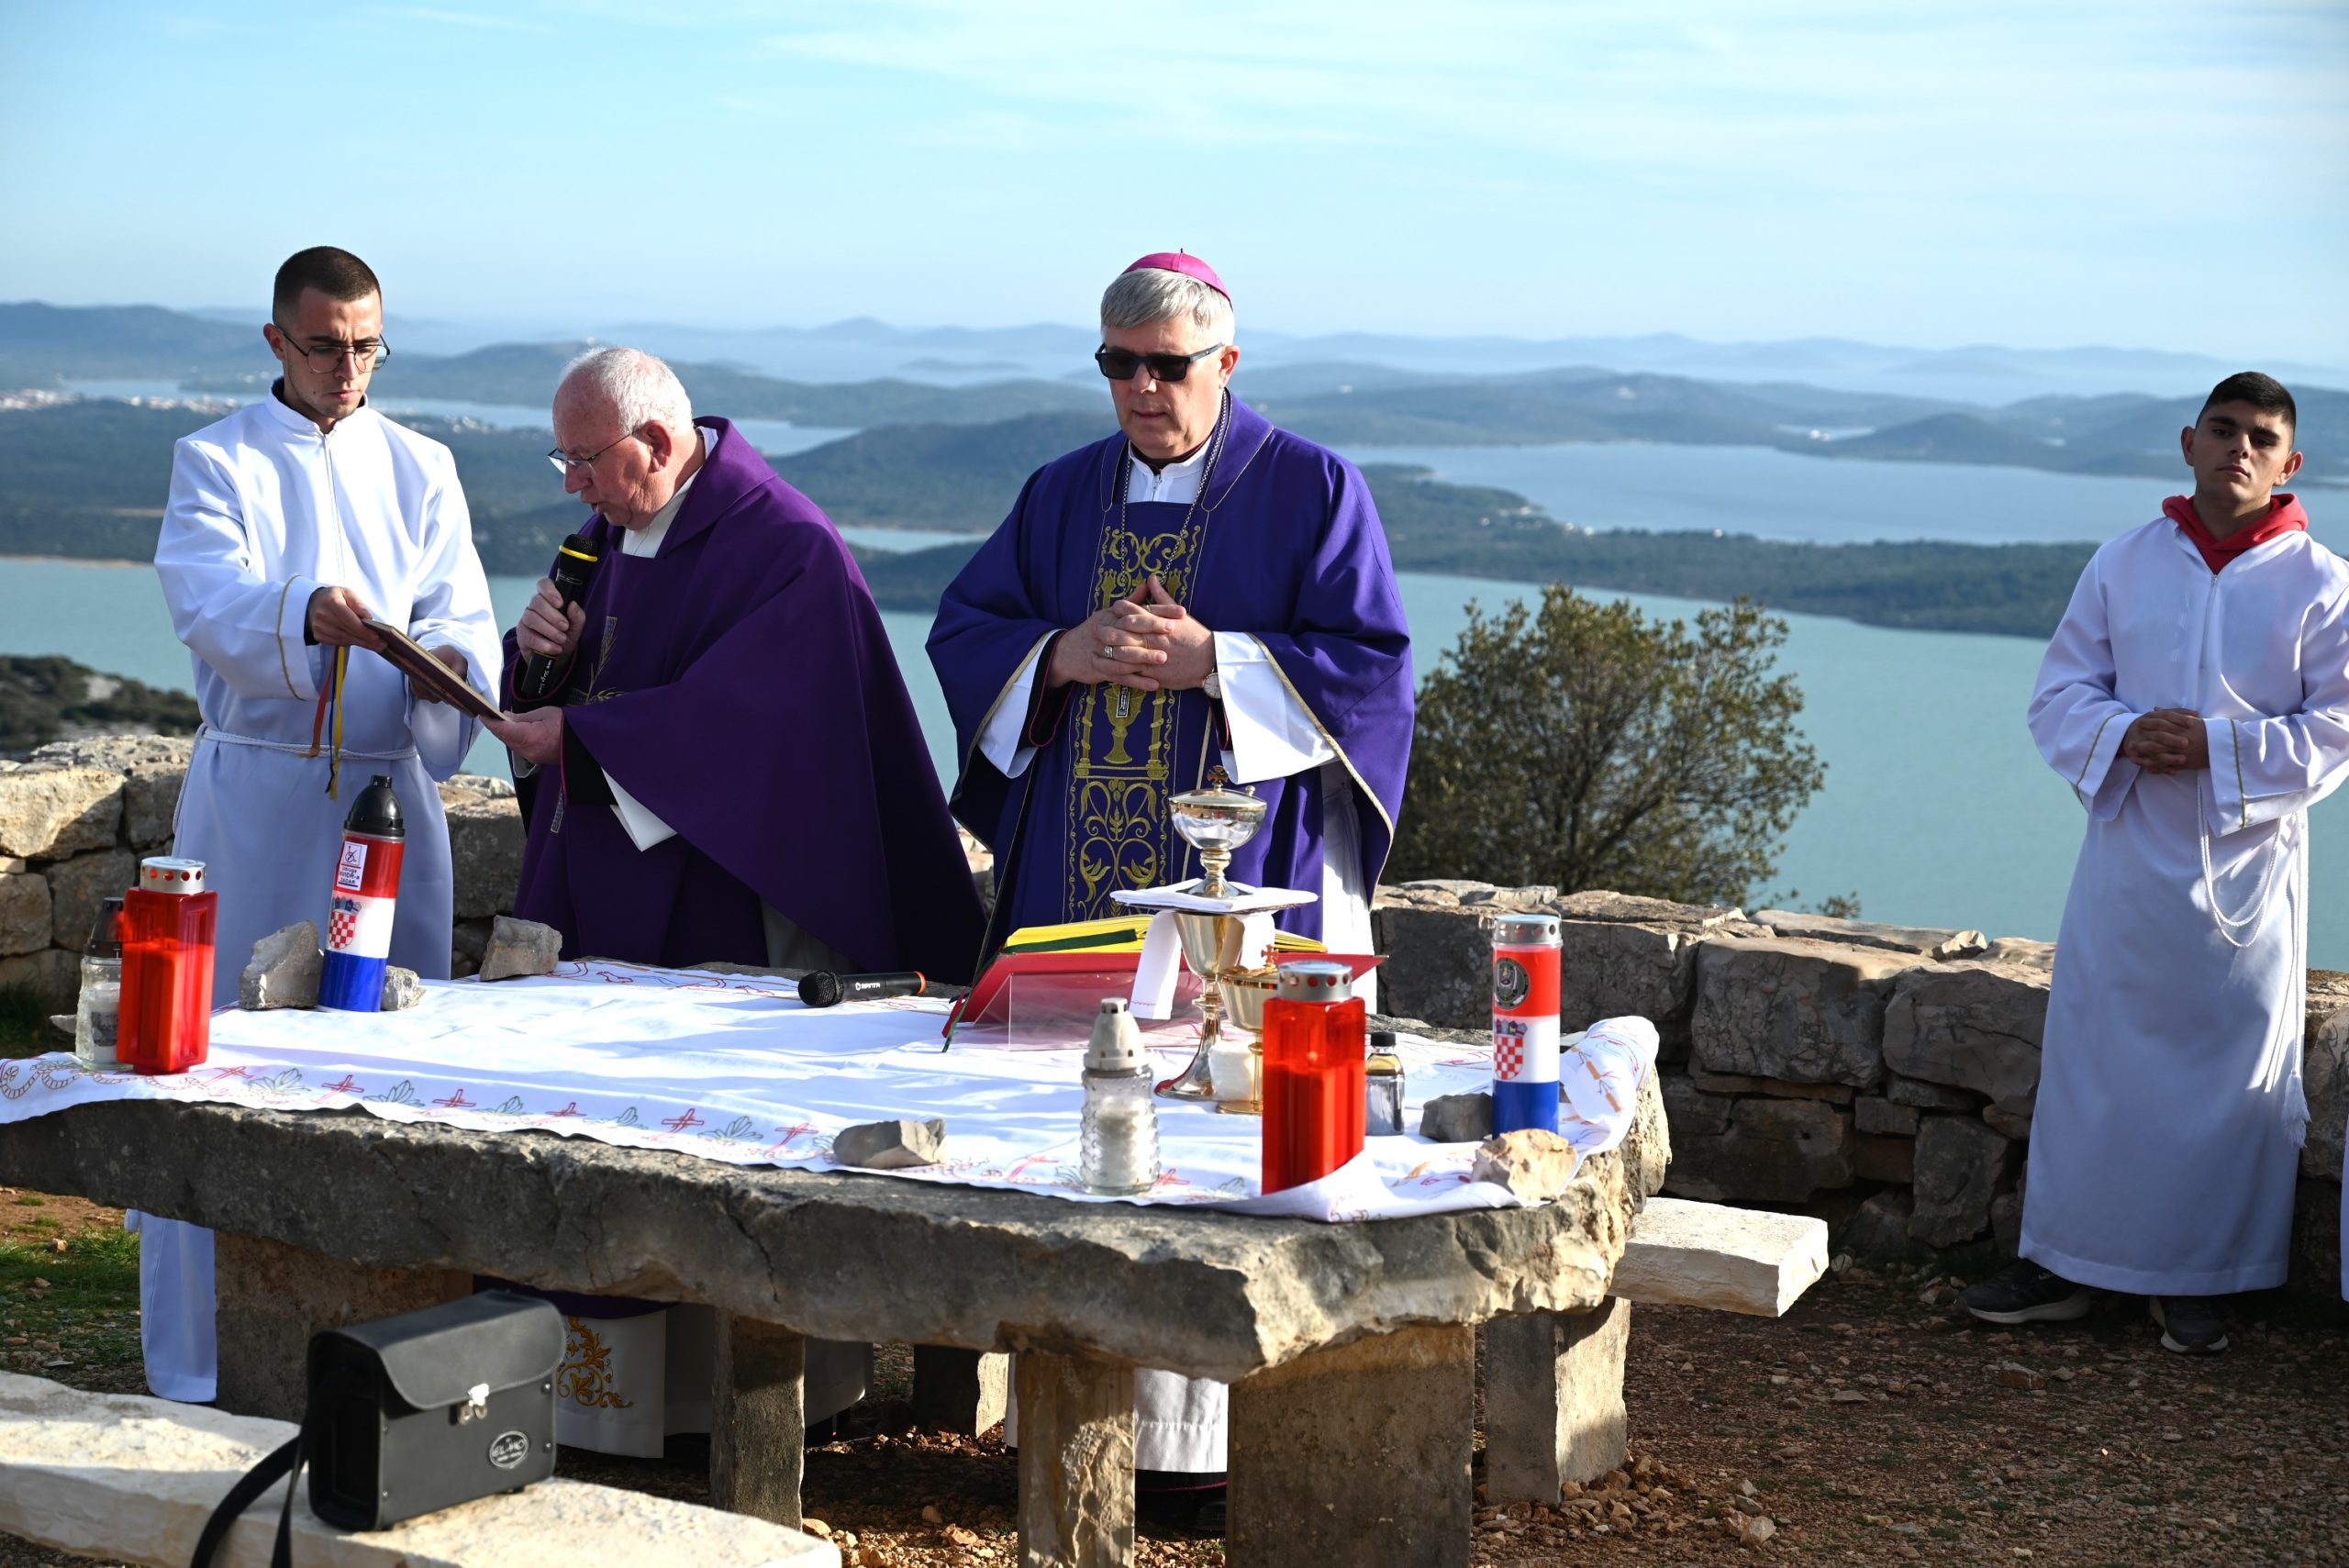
x=1177, y=482
x=292, y=421
x=646, y=541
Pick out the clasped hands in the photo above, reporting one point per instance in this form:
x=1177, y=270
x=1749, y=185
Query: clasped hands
x=1147, y=643
x=338, y=618
x=2168, y=741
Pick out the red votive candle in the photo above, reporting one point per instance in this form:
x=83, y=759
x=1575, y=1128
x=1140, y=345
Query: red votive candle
x=1314, y=1044
x=167, y=923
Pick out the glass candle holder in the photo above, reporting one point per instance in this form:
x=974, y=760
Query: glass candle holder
x=1314, y=1039
x=1118, y=1131
x=167, y=967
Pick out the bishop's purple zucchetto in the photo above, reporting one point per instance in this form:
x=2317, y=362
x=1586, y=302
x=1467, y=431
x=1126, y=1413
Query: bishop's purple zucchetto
x=1182, y=261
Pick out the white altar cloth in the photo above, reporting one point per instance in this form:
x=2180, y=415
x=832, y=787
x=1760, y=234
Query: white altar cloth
x=733, y=1068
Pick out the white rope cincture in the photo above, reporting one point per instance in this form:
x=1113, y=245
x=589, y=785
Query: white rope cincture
x=2227, y=925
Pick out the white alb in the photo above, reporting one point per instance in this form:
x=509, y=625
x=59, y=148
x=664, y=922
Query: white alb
x=2165, y=1140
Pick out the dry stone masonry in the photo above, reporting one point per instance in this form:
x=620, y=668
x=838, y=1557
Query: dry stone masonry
x=74, y=818
x=1889, y=1073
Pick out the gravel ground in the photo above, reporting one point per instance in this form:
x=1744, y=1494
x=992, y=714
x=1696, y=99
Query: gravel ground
x=1873, y=1424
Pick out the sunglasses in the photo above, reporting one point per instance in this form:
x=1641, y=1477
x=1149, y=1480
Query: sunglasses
x=1119, y=364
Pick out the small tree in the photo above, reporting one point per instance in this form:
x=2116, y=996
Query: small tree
x=1588, y=747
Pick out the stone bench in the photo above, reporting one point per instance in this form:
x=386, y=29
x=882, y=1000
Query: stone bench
x=133, y=1480
x=1553, y=1382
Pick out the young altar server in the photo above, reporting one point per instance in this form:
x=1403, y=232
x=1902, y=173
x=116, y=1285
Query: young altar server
x=2197, y=699
x=729, y=770
x=290, y=524
x=1198, y=588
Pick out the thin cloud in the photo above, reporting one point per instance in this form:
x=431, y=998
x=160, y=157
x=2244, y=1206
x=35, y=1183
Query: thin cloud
x=478, y=21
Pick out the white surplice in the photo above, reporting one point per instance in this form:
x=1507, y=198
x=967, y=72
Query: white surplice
x=1180, y=1423
x=2170, y=1114
x=265, y=510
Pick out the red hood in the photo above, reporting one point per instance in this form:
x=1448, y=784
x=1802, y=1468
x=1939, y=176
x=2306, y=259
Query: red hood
x=2285, y=515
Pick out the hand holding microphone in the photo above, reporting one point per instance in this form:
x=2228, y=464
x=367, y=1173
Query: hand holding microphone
x=550, y=627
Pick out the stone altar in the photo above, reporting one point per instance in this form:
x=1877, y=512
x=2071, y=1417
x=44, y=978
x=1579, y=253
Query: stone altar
x=1307, y=1320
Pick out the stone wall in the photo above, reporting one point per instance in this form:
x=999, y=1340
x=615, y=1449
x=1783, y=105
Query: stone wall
x=1810, y=1061
x=74, y=818
x=77, y=816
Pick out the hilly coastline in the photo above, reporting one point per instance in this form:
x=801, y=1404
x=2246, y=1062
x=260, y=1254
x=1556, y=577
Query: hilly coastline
x=1341, y=402
x=87, y=478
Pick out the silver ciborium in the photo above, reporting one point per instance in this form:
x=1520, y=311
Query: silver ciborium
x=1215, y=821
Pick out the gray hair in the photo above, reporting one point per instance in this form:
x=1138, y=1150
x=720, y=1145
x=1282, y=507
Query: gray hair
x=641, y=390
x=1151, y=294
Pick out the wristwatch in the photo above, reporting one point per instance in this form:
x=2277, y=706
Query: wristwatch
x=1213, y=685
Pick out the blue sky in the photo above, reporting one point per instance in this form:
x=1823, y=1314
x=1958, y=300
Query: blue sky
x=2041, y=174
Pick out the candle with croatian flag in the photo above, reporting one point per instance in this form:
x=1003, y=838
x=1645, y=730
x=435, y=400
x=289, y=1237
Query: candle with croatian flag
x=361, y=906
x=1525, y=1022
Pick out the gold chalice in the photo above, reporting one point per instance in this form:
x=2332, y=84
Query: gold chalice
x=1245, y=992
x=1215, y=821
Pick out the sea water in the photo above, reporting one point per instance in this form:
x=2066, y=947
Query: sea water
x=1936, y=811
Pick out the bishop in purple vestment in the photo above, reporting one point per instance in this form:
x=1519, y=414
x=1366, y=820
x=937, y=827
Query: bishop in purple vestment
x=733, y=768
x=1200, y=588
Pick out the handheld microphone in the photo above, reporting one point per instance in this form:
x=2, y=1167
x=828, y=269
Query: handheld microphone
x=822, y=988
x=573, y=569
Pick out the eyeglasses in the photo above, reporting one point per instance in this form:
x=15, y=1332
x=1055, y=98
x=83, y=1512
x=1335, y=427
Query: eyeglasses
x=564, y=462
x=1119, y=364
x=370, y=352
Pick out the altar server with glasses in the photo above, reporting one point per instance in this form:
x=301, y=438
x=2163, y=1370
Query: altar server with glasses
x=1199, y=588
x=290, y=524
x=2195, y=698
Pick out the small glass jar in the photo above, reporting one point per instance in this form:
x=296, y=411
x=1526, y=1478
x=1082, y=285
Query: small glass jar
x=1232, y=1068
x=1118, y=1138
x=97, y=1018
x=1382, y=1115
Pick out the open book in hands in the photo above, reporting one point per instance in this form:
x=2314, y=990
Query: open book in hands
x=429, y=674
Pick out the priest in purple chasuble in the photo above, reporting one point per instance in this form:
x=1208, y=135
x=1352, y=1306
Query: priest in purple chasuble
x=739, y=774
x=731, y=770
x=1201, y=588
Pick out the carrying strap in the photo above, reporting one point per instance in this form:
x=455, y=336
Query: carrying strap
x=286, y=1462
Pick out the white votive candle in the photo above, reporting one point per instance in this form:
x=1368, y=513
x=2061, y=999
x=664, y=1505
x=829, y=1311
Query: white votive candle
x=1232, y=1072
x=1125, y=1147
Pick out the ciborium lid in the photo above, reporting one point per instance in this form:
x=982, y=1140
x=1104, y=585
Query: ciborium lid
x=1218, y=800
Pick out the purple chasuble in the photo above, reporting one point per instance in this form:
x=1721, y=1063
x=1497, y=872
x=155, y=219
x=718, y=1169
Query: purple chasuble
x=738, y=685
x=1284, y=546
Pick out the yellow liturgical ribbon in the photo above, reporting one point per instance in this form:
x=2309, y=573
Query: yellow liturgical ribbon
x=331, y=698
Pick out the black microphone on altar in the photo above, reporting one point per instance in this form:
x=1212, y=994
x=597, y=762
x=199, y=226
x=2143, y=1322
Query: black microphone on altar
x=822, y=988
x=572, y=572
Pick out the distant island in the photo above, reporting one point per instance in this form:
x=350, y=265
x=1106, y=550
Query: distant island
x=45, y=698
x=1346, y=403
x=87, y=478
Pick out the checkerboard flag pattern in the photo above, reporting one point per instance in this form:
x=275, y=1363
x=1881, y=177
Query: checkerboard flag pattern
x=360, y=926
x=1509, y=1058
